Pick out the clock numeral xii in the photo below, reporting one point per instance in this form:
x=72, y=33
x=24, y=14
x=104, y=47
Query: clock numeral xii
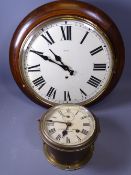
x=66, y=32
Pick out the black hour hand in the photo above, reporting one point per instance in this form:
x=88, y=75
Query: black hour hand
x=57, y=58
x=64, y=133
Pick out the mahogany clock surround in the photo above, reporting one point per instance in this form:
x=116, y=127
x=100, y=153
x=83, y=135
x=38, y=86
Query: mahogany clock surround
x=70, y=8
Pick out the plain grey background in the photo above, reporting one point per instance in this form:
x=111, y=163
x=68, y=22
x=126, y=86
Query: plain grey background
x=20, y=144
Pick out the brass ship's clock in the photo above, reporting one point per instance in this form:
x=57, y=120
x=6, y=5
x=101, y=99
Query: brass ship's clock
x=68, y=132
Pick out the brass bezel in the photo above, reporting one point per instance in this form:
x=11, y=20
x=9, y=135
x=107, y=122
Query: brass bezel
x=68, y=148
x=63, y=17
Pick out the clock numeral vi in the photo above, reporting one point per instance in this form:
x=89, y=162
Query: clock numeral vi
x=67, y=140
x=40, y=82
x=67, y=96
x=66, y=32
x=93, y=81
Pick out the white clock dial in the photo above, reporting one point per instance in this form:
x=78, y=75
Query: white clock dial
x=69, y=125
x=67, y=61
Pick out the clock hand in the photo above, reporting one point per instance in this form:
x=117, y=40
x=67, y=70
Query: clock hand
x=58, y=58
x=56, y=121
x=65, y=132
x=76, y=130
x=46, y=58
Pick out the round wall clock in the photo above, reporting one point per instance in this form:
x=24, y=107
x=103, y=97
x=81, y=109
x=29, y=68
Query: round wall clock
x=66, y=52
x=69, y=132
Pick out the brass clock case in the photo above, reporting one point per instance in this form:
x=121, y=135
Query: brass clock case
x=68, y=157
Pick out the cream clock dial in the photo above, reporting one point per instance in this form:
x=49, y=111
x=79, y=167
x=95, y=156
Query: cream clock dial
x=69, y=125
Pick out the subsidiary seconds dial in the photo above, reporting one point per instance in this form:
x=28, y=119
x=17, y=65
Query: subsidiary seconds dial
x=64, y=55
x=67, y=61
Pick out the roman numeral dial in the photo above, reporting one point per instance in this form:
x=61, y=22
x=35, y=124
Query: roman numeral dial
x=69, y=124
x=67, y=61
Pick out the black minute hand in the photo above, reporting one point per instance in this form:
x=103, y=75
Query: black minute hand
x=56, y=121
x=46, y=58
